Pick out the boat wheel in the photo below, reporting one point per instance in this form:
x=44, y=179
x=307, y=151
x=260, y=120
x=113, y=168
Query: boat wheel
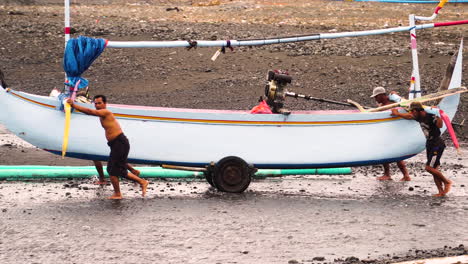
x=232, y=174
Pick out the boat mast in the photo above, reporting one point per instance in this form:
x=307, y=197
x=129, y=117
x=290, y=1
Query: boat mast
x=67, y=21
x=415, y=87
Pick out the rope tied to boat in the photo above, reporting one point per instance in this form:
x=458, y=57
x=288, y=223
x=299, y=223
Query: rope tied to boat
x=222, y=50
x=192, y=44
x=228, y=45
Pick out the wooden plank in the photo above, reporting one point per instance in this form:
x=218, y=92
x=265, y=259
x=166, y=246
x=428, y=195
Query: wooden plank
x=174, y=167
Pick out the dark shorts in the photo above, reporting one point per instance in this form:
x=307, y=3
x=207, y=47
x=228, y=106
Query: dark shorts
x=117, y=164
x=434, y=153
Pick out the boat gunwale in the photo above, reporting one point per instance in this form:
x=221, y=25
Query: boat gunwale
x=53, y=102
x=295, y=119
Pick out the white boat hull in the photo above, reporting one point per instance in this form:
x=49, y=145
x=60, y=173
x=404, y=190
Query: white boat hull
x=197, y=137
x=157, y=135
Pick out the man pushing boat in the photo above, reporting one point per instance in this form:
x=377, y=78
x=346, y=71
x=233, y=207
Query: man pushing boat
x=118, y=143
x=382, y=98
x=431, y=124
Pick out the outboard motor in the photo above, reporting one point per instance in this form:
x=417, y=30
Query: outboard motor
x=275, y=90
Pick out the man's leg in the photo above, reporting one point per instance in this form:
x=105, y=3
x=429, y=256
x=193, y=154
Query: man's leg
x=143, y=183
x=386, y=176
x=440, y=188
x=432, y=166
x=115, y=183
x=402, y=166
x=100, y=172
x=133, y=170
x=443, y=184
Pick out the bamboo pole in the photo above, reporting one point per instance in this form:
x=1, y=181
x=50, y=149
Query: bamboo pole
x=259, y=42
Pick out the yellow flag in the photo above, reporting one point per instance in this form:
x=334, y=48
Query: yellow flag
x=66, y=130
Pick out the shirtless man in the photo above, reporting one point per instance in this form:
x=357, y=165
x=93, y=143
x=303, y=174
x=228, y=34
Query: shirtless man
x=435, y=145
x=381, y=97
x=118, y=143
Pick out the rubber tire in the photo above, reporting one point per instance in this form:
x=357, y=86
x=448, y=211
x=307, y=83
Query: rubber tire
x=232, y=174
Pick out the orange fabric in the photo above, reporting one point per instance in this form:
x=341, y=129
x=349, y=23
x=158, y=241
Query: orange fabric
x=261, y=108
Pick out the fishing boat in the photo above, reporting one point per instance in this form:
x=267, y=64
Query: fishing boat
x=227, y=143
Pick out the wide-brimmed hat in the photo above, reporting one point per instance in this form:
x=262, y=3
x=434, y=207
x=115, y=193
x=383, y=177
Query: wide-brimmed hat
x=377, y=91
x=416, y=106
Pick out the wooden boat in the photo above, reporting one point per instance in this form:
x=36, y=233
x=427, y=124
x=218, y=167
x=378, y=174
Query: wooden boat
x=194, y=137
x=235, y=141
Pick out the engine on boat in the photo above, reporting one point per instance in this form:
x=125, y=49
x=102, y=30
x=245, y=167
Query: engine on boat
x=275, y=90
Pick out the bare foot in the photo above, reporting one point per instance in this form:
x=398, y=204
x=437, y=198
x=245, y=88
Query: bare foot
x=447, y=188
x=384, y=178
x=104, y=182
x=439, y=195
x=115, y=197
x=405, y=179
x=143, y=188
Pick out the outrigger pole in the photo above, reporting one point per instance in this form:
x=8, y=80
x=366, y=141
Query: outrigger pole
x=415, y=87
x=260, y=42
x=415, y=82
x=270, y=41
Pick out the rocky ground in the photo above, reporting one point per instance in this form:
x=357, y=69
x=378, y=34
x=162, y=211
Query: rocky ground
x=31, y=49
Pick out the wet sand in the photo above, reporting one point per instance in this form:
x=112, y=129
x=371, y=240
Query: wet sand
x=208, y=227
x=307, y=219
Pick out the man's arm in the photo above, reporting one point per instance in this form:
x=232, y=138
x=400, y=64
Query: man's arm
x=88, y=111
x=439, y=122
x=408, y=116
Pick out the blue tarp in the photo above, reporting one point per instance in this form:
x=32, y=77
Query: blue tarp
x=79, y=55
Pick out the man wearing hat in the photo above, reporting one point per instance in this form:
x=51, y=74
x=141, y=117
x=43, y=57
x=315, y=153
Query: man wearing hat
x=382, y=99
x=430, y=124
